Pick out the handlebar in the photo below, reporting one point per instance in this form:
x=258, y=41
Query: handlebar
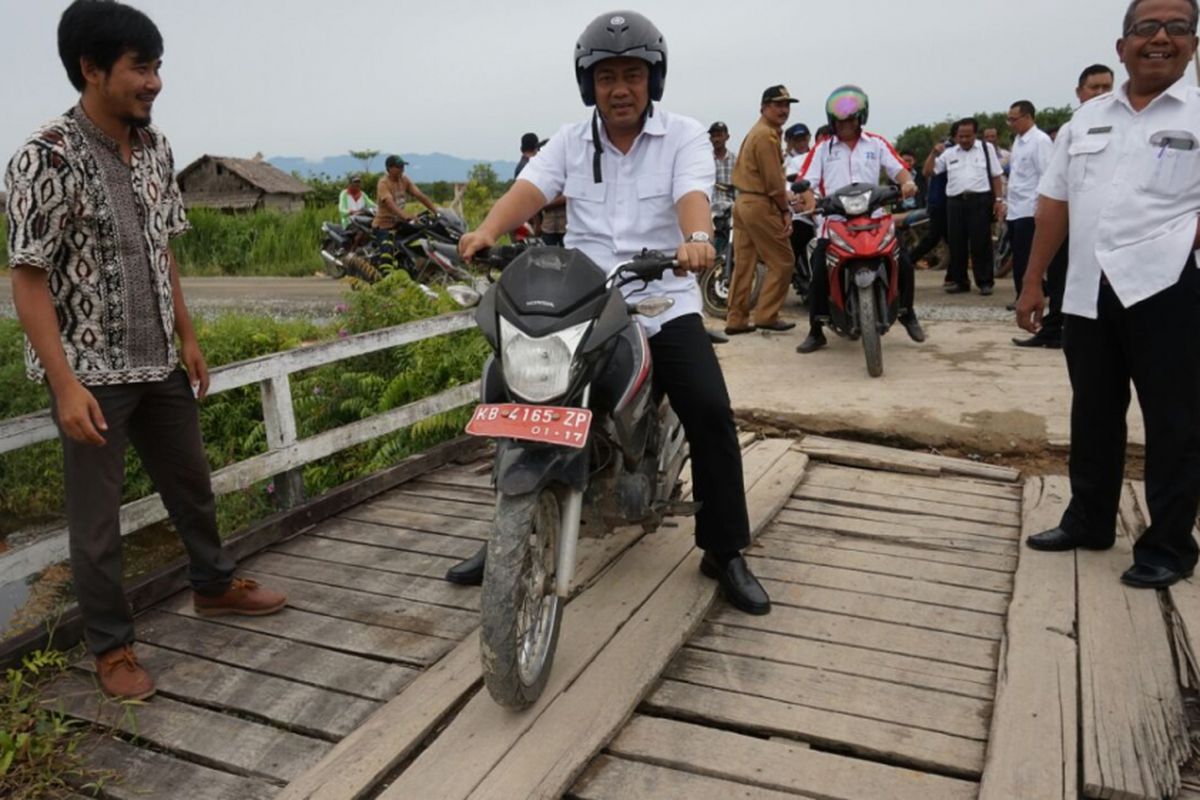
x=647, y=267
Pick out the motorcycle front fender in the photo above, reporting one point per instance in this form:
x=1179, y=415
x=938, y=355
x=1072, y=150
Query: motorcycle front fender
x=524, y=467
x=866, y=276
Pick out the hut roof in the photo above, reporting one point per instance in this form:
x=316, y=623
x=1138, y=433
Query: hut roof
x=256, y=172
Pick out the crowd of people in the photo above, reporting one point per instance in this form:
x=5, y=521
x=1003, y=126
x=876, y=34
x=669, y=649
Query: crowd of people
x=99, y=297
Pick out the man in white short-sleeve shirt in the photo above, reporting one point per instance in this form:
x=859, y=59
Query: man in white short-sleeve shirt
x=1031, y=152
x=638, y=177
x=1125, y=180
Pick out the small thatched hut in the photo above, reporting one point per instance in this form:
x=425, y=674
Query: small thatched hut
x=240, y=184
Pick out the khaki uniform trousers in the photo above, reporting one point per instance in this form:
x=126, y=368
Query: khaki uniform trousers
x=758, y=236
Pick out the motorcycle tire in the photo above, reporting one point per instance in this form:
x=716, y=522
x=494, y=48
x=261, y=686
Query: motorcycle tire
x=361, y=269
x=868, y=320
x=521, y=614
x=714, y=290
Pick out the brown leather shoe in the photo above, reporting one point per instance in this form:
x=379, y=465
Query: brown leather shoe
x=244, y=597
x=122, y=677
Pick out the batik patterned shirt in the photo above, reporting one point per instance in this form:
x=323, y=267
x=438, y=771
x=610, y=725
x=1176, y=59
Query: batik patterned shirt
x=113, y=298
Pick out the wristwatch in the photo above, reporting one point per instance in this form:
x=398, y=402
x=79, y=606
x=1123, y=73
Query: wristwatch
x=699, y=237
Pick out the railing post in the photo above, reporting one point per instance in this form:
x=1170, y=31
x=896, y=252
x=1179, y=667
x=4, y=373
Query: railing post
x=280, y=420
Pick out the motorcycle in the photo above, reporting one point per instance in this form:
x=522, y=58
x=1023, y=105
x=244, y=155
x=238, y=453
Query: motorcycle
x=581, y=439
x=411, y=251
x=863, y=260
x=716, y=280
x=342, y=242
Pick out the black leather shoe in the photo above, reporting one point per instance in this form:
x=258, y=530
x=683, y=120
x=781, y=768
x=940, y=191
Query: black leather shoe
x=1057, y=540
x=717, y=338
x=1038, y=340
x=815, y=341
x=1011, y=307
x=778, y=325
x=740, y=329
x=913, y=326
x=470, y=571
x=1144, y=576
x=738, y=584
x=955, y=288
x=985, y=290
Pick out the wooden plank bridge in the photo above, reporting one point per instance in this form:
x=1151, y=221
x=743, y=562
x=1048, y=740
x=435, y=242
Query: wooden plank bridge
x=915, y=650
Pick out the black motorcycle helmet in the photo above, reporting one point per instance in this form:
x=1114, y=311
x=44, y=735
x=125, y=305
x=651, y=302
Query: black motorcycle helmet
x=620, y=33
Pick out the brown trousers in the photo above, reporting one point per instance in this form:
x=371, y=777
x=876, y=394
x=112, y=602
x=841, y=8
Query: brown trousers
x=758, y=236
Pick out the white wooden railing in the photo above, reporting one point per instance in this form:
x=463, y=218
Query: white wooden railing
x=285, y=453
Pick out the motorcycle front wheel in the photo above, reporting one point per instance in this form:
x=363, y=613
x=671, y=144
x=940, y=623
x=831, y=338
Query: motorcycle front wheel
x=521, y=614
x=868, y=321
x=714, y=290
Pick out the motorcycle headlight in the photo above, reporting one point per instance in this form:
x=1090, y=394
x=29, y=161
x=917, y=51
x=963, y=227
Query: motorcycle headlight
x=538, y=370
x=856, y=204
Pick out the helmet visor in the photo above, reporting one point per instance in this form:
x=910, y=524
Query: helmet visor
x=845, y=104
x=596, y=56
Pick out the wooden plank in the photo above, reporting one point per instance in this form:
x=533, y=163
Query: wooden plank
x=461, y=477
x=887, y=609
x=362, y=677
x=915, y=747
x=931, y=522
x=460, y=494
x=394, y=732
x=218, y=740
x=436, y=544
x=380, y=558
x=905, y=587
x=908, y=504
x=777, y=764
x=145, y=773
x=395, y=517
x=149, y=590
x=617, y=779
x=940, y=646
x=907, y=670
x=299, y=707
x=999, y=497
x=405, y=498
x=1185, y=613
x=1037, y=684
x=946, y=552
x=868, y=698
x=374, y=609
x=890, y=458
x=860, y=525
x=365, y=579
x=928, y=571
x=333, y=633
x=1134, y=727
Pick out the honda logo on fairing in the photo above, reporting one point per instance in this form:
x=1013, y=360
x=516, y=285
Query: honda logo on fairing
x=617, y=21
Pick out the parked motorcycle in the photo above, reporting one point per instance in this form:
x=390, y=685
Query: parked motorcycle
x=341, y=242
x=863, y=259
x=581, y=438
x=716, y=280
x=410, y=250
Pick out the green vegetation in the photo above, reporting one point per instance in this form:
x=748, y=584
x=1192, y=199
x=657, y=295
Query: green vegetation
x=324, y=398
x=40, y=748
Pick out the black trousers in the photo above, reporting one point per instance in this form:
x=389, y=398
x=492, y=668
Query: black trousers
x=818, y=304
x=162, y=422
x=934, y=234
x=1156, y=344
x=969, y=232
x=686, y=369
x=802, y=234
x=1021, y=232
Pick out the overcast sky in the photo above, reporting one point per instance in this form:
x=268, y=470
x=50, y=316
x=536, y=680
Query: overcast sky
x=314, y=78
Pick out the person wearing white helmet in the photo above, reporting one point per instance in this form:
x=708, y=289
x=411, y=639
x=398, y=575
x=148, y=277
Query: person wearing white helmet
x=636, y=176
x=852, y=155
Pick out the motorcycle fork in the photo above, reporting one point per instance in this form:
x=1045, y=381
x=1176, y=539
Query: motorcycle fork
x=568, y=531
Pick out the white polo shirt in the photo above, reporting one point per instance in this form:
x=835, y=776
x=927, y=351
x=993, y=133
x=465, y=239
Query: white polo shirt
x=1030, y=157
x=634, y=207
x=967, y=170
x=833, y=164
x=1132, y=181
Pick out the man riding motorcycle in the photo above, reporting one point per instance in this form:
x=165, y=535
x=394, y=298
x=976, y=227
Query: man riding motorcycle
x=638, y=177
x=851, y=155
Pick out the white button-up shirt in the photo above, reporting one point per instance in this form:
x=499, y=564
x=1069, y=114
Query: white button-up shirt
x=1030, y=158
x=634, y=207
x=967, y=169
x=1132, y=182
x=833, y=165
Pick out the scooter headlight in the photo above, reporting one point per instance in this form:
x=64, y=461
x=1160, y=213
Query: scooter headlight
x=538, y=370
x=856, y=205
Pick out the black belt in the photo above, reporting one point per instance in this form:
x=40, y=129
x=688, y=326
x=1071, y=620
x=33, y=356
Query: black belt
x=969, y=195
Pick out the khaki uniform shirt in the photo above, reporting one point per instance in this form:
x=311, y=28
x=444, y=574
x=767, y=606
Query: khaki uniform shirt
x=759, y=168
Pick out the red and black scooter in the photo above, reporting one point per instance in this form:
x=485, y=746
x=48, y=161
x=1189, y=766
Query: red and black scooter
x=863, y=260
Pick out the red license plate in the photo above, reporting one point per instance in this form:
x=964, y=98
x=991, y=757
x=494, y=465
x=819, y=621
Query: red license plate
x=552, y=424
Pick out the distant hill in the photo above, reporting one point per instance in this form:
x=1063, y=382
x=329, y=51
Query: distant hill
x=422, y=168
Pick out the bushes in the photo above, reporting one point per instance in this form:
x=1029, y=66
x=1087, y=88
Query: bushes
x=252, y=243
